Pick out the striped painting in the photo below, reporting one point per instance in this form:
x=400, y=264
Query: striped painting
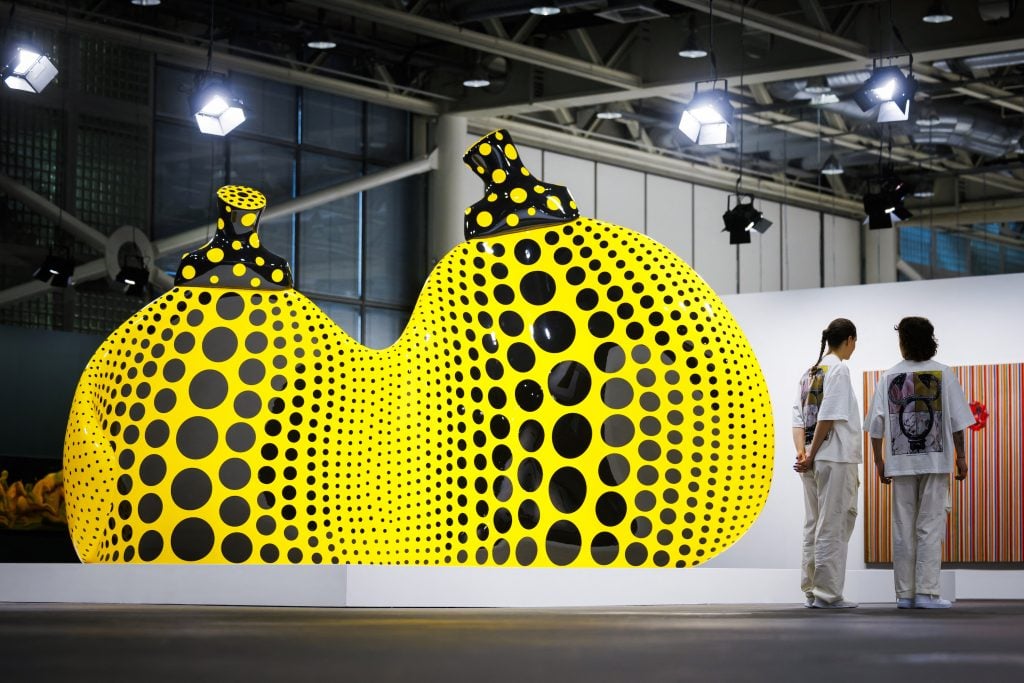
x=986, y=523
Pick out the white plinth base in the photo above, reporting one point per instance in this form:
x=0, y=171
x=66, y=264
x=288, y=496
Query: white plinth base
x=385, y=586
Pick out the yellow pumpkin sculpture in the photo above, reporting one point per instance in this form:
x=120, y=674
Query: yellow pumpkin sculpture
x=566, y=392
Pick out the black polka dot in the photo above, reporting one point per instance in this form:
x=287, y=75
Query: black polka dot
x=164, y=400
x=252, y=371
x=604, y=548
x=504, y=295
x=569, y=382
x=255, y=342
x=502, y=520
x=510, y=323
x=501, y=551
x=126, y=459
x=571, y=435
x=617, y=393
x=235, y=473
x=269, y=553
x=150, y=508
x=537, y=287
x=530, y=474
x=192, y=539
x=151, y=544
x=567, y=489
x=617, y=430
x=157, y=433
x=502, y=488
x=248, y=404
x=152, y=470
x=174, y=370
x=563, y=542
x=611, y=508
x=527, y=251
x=196, y=438
x=236, y=547
x=501, y=456
x=526, y=551
x=191, y=489
x=600, y=324
x=195, y=318
x=554, y=331
x=219, y=344
x=230, y=305
x=636, y=554
x=240, y=437
x=529, y=395
x=184, y=342
x=500, y=426
x=531, y=435
x=586, y=299
x=208, y=389
x=521, y=357
x=234, y=511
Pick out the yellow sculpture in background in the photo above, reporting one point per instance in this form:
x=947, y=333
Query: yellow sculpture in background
x=566, y=392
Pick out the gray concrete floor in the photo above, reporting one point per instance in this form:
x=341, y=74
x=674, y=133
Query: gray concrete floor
x=975, y=641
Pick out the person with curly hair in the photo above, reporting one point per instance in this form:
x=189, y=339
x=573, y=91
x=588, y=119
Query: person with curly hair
x=919, y=414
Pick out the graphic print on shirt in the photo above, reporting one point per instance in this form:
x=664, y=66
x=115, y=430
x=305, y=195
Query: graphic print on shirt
x=812, y=388
x=915, y=412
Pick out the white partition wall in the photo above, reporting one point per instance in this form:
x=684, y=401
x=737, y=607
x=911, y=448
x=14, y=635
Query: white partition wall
x=670, y=214
x=576, y=174
x=842, y=250
x=801, y=248
x=713, y=257
x=761, y=261
x=621, y=197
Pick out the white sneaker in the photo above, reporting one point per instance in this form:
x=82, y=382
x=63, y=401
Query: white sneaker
x=922, y=601
x=838, y=604
x=809, y=602
x=904, y=603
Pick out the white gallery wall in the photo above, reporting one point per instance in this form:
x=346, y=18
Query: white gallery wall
x=687, y=218
x=977, y=320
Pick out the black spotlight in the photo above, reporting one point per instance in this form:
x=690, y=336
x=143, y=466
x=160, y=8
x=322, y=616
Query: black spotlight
x=890, y=90
x=55, y=270
x=742, y=218
x=133, y=275
x=885, y=207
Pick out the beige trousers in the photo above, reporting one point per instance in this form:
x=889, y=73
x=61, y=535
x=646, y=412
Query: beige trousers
x=920, y=504
x=830, y=510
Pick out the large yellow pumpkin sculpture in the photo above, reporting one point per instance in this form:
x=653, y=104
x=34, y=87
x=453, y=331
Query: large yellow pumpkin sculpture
x=567, y=392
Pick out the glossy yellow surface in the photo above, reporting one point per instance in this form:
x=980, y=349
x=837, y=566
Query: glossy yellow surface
x=454, y=446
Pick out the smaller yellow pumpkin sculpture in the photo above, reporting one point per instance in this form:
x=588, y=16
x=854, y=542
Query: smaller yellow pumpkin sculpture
x=567, y=392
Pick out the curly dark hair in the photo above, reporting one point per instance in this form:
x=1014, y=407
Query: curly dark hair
x=917, y=339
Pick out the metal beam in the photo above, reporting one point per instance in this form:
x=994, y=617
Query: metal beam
x=438, y=30
x=44, y=207
x=790, y=30
x=96, y=269
x=292, y=74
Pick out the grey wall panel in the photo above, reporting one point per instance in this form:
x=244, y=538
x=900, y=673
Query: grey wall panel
x=574, y=173
x=533, y=159
x=713, y=257
x=620, y=196
x=670, y=214
x=879, y=255
x=760, y=263
x=842, y=251
x=801, y=248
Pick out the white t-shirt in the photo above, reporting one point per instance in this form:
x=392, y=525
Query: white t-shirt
x=829, y=396
x=916, y=409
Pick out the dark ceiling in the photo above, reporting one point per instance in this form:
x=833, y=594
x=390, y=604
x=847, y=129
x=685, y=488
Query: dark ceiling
x=557, y=73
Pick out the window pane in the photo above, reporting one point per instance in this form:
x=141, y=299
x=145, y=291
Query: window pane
x=984, y=258
x=916, y=245
x=263, y=166
x=269, y=107
x=189, y=169
x=344, y=316
x=394, y=235
x=383, y=327
x=332, y=122
x=276, y=237
x=387, y=133
x=329, y=236
x=951, y=253
x=173, y=87
x=1014, y=260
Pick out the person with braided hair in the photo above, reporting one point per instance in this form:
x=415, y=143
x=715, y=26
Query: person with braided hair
x=919, y=410
x=826, y=434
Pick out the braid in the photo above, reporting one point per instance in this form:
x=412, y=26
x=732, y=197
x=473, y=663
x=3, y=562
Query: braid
x=821, y=354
